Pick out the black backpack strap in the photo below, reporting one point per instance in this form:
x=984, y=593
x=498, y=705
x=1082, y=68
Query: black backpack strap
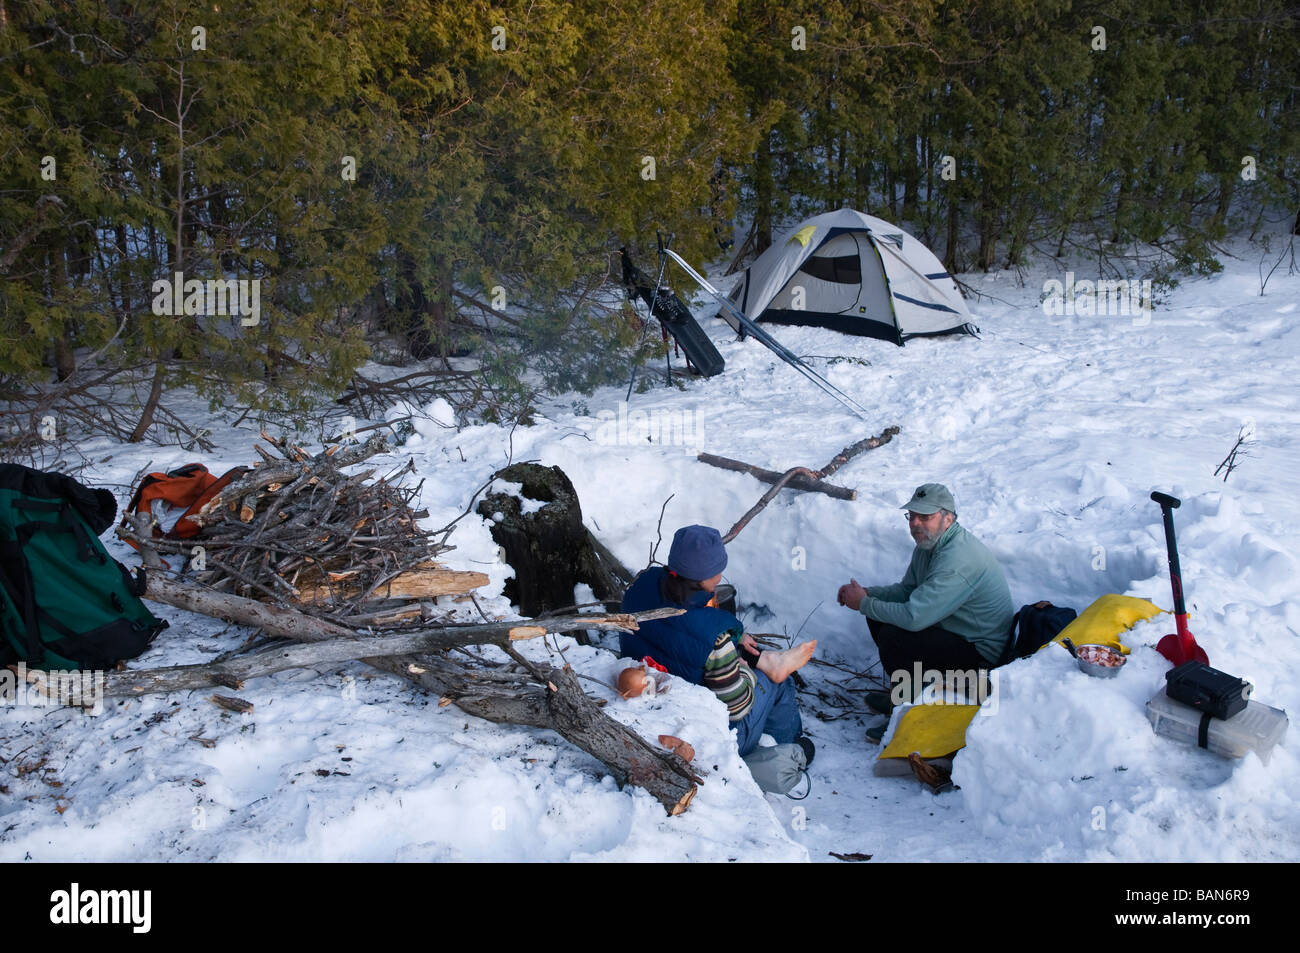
x=135, y=582
x=85, y=545
x=1009, y=651
x=17, y=579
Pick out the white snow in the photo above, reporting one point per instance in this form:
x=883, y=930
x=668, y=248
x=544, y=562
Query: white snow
x=1051, y=431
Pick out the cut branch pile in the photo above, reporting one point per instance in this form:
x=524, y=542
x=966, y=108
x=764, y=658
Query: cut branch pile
x=297, y=529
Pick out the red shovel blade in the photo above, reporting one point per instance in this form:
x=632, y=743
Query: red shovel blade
x=1178, y=650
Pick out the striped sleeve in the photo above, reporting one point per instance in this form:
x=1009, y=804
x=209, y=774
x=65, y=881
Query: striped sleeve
x=729, y=678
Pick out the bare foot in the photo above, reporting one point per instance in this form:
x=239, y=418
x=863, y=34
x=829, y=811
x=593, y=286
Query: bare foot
x=778, y=666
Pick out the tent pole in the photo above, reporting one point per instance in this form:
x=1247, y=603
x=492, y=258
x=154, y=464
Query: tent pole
x=770, y=342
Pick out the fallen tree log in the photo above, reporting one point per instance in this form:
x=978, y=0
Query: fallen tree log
x=540, y=697
x=233, y=672
x=562, y=706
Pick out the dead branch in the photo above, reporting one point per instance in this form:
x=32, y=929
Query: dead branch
x=803, y=480
x=851, y=451
x=1230, y=462
x=230, y=703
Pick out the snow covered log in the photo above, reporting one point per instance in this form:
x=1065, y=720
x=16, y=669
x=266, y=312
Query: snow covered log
x=562, y=706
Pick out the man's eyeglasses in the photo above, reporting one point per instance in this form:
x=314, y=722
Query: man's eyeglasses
x=921, y=517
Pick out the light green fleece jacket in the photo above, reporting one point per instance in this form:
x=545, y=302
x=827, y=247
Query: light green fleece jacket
x=957, y=585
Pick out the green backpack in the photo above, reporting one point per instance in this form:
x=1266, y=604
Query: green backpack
x=64, y=602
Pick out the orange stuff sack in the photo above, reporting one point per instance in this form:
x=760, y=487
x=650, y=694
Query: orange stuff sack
x=186, y=488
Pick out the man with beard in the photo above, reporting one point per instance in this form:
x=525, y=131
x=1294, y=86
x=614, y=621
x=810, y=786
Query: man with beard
x=951, y=613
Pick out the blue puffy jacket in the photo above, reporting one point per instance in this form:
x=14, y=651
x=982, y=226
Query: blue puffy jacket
x=682, y=643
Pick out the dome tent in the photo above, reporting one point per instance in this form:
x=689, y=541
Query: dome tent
x=853, y=273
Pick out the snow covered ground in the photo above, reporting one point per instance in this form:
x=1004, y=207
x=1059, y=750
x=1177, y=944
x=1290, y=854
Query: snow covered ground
x=1051, y=431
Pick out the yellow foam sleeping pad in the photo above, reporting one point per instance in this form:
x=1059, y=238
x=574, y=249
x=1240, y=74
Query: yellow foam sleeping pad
x=1103, y=621
x=936, y=731
x=933, y=730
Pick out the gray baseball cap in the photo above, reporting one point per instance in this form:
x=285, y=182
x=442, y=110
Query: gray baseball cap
x=931, y=498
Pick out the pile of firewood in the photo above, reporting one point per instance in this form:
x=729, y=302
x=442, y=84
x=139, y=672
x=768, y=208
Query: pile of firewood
x=298, y=530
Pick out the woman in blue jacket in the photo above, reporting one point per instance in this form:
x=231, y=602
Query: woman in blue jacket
x=701, y=645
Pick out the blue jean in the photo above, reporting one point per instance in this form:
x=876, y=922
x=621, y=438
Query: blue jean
x=775, y=712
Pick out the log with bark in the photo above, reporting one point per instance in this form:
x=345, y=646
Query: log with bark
x=532, y=694
x=336, y=644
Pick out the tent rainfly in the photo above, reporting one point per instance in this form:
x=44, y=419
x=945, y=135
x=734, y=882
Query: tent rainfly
x=856, y=274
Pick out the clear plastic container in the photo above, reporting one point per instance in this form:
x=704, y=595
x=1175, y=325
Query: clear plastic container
x=1257, y=727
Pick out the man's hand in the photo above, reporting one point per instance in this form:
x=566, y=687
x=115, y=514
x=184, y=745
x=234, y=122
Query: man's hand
x=851, y=594
x=747, y=642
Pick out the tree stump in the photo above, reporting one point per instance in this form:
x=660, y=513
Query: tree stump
x=549, y=548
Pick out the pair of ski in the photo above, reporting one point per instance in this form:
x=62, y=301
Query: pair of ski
x=668, y=308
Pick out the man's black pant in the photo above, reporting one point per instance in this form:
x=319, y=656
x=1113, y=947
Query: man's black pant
x=935, y=648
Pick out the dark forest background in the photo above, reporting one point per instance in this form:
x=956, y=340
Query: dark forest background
x=413, y=181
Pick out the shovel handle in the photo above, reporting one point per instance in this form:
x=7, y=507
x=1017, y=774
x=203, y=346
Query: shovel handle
x=1167, y=506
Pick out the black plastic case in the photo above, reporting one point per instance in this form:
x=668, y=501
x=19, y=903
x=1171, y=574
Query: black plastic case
x=1207, y=689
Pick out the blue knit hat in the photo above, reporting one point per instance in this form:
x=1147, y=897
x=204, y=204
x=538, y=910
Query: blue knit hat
x=697, y=553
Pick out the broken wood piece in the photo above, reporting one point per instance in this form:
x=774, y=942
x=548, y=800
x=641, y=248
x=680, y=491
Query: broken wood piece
x=386, y=618
x=935, y=777
x=679, y=747
x=413, y=584
x=231, y=703
x=519, y=633
x=430, y=583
